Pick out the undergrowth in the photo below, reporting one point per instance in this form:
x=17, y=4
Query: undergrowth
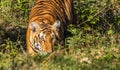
x=94, y=43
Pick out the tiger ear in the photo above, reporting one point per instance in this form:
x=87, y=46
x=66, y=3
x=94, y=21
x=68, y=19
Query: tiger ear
x=57, y=25
x=33, y=26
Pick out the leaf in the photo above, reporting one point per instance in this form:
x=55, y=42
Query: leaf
x=110, y=32
x=93, y=22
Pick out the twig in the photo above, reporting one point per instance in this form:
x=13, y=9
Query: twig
x=47, y=60
x=100, y=11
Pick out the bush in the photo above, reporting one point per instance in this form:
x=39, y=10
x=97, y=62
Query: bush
x=94, y=43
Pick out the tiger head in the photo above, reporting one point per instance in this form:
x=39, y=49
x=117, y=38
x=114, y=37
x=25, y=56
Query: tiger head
x=43, y=36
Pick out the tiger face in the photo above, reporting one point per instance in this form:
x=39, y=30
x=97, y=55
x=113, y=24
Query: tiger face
x=43, y=36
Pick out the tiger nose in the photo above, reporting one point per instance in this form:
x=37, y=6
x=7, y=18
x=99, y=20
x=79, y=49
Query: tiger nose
x=49, y=51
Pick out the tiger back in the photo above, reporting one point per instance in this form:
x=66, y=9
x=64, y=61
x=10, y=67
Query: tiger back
x=48, y=20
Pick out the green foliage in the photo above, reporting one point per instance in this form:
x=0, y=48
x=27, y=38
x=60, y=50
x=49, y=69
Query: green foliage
x=15, y=10
x=101, y=13
x=93, y=45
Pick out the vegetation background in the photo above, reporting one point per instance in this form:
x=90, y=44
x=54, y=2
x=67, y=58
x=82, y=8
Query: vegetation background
x=93, y=45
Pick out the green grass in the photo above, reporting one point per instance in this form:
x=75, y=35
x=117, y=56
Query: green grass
x=93, y=45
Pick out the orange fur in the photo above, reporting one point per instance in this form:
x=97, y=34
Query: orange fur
x=47, y=22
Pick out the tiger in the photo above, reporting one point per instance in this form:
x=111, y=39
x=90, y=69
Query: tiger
x=47, y=23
